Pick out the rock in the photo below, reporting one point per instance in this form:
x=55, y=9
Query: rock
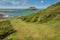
x=1, y=16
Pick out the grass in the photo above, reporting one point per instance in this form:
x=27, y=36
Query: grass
x=50, y=13
x=44, y=25
x=35, y=31
x=5, y=29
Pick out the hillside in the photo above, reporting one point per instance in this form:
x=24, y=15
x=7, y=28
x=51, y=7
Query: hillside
x=26, y=28
x=5, y=29
x=50, y=13
x=31, y=8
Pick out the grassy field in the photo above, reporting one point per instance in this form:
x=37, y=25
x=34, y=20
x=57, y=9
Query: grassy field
x=35, y=31
x=44, y=25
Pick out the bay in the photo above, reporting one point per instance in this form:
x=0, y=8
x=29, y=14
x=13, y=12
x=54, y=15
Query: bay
x=18, y=13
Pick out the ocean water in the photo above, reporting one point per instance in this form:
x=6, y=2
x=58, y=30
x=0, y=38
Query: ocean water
x=20, y=13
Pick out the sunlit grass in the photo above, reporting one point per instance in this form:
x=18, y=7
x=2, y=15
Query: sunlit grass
x=33, y=31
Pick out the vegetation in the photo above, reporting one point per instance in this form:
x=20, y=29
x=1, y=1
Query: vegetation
x=50, y=13
x=31, y=8
x=27, y=27
x=5, y=29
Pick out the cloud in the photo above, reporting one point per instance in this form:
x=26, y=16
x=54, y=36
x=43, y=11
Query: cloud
x=42, y=1
x=59, y=0
x=15, y=2
x=20, y=2
x=9, y=2
x=3, y=0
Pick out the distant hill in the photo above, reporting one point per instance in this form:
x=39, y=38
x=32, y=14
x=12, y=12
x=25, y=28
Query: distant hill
x=50, y=13
x=17, y=10
x=31, y=8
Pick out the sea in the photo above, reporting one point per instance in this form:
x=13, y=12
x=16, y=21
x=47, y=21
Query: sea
x=18, y=13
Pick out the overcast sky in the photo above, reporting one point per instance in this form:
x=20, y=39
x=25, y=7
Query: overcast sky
x=19, y=4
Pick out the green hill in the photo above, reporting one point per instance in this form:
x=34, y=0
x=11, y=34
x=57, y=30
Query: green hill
x=50, y=13
x=31, y=8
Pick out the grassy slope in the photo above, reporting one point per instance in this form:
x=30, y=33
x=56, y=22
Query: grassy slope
x=50, y=13
x=34, y=31
x=5, y=29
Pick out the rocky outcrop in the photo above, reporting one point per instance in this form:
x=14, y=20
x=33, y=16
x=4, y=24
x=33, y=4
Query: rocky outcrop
x=1, y=16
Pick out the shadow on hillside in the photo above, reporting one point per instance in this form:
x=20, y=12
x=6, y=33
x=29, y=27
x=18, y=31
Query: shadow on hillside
x=6, y=29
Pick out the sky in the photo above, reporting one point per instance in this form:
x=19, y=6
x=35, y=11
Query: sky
x=22, y=4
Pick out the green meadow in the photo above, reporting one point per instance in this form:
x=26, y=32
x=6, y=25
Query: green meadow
x=43, y=25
